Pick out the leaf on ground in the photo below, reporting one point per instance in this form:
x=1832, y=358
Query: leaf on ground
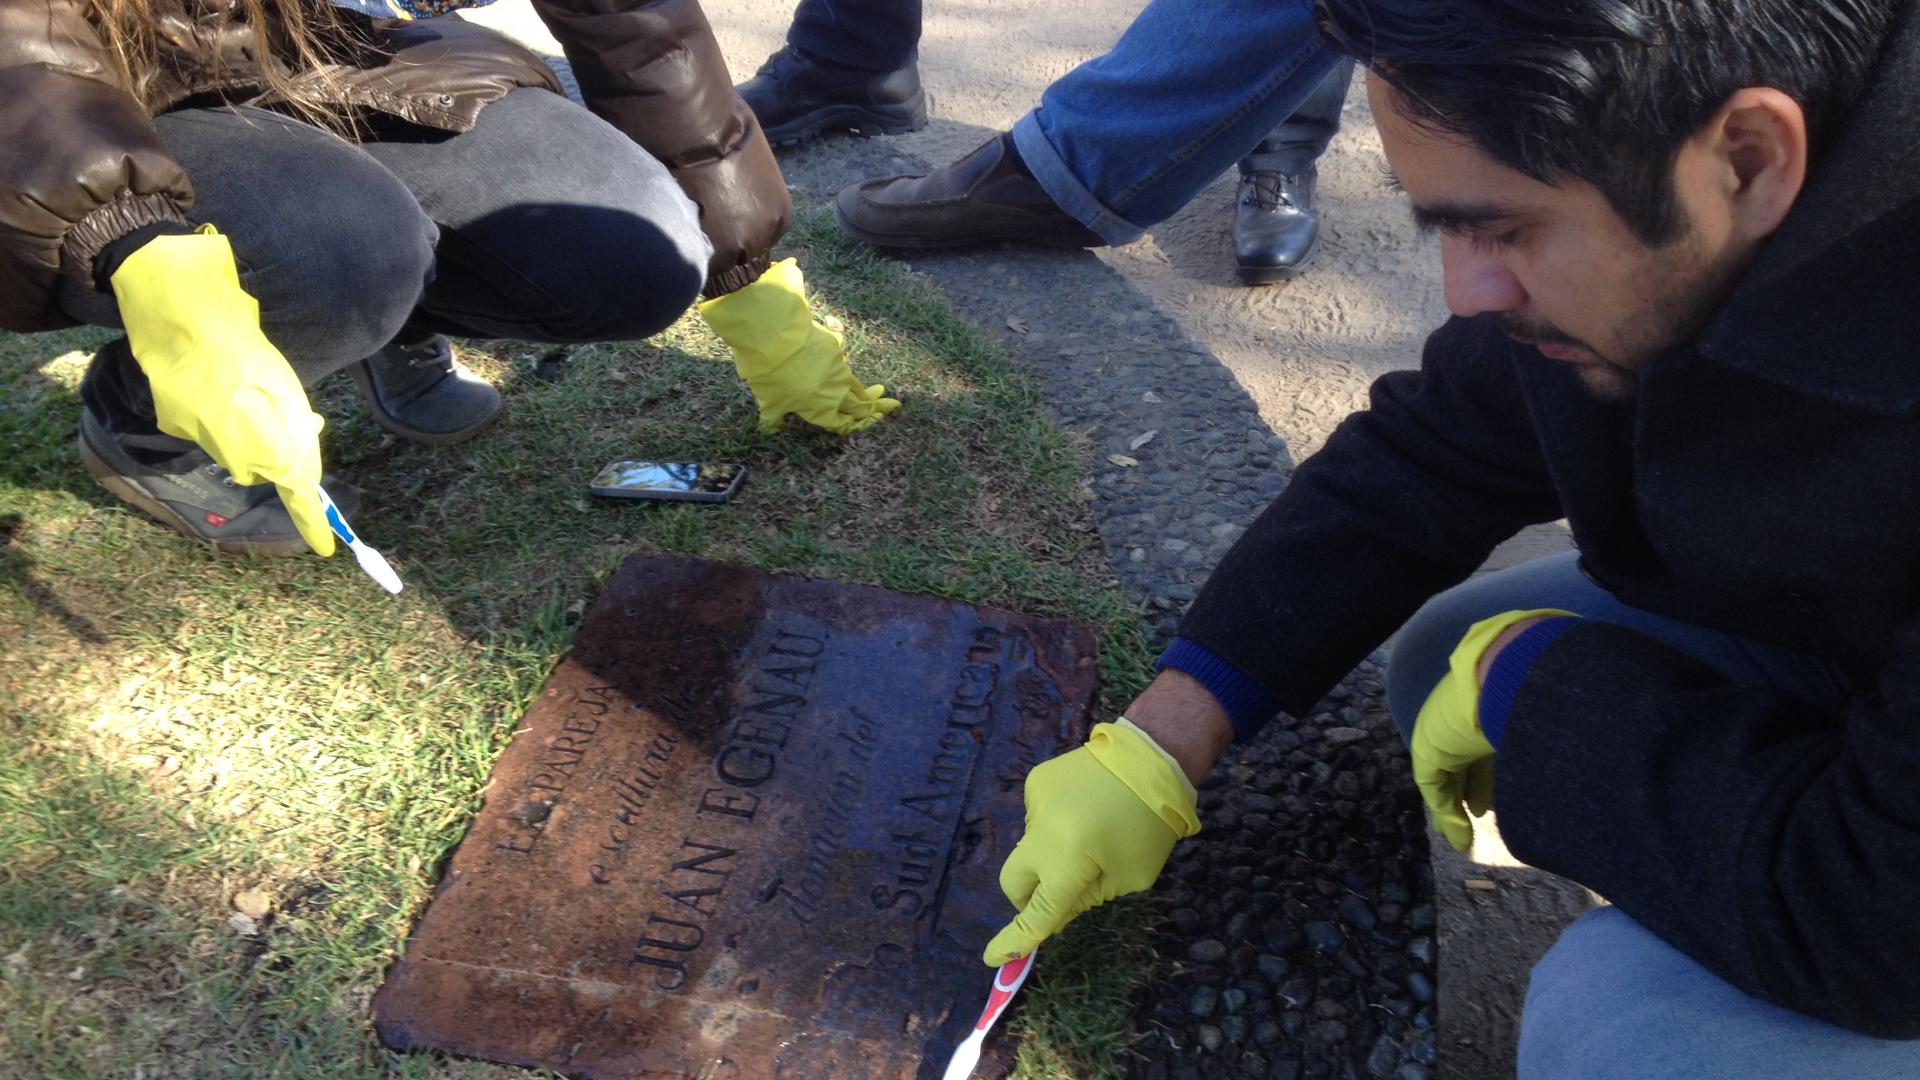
x=253, y=903
x=243, y=924
x=1122, y=460
x=1141, y=439
x=1017, y=324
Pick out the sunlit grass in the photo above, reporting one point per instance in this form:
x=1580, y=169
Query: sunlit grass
x=177, y=726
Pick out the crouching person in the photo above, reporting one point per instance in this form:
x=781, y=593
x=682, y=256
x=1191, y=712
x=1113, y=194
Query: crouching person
x=267, y=192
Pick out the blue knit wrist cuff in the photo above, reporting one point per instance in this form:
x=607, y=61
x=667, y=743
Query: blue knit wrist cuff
x=1247, y=705
x=1510, y=669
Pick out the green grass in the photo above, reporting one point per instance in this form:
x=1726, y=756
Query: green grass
x=177, y=726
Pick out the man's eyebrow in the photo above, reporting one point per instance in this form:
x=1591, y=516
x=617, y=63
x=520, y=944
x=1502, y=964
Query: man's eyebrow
x=1454, y=217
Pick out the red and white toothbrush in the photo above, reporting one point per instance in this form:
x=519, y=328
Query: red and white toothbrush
x=1006, y=982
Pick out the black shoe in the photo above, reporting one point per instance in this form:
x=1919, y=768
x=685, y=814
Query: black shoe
x=420, y=392
x=1276, y=227
x=176, y=482
x=797, y=96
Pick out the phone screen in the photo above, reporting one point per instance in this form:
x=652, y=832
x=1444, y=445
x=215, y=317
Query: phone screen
x=667, y=476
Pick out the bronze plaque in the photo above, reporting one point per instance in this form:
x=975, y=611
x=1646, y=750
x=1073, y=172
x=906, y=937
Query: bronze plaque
x=752, y=827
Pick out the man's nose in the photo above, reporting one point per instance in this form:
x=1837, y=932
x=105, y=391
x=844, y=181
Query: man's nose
x=1476, y=282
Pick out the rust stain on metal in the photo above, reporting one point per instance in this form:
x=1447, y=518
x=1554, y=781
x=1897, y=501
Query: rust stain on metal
x=752, y=828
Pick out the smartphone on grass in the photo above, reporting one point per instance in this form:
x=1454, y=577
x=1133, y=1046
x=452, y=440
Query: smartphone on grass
x=686, y=481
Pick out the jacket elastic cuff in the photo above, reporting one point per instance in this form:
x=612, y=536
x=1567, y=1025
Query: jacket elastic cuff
x=100, y=229
x=735, y=278
x=1248, y=705
x=1510, y=669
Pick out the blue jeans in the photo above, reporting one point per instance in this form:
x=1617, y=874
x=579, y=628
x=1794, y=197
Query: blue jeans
x=1611, y=1001
x=1125, y=140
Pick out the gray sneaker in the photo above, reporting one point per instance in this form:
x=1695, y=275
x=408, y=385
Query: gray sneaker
x=420, y=392
x=192, y=494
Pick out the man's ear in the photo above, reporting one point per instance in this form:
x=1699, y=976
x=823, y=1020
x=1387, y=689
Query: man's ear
x=1760, y=137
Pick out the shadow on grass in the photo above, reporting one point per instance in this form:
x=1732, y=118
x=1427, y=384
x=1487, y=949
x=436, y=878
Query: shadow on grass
x=181, y=730
x=16, y=571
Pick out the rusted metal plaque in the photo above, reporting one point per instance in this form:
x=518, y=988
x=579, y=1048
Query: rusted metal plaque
x=752, y=828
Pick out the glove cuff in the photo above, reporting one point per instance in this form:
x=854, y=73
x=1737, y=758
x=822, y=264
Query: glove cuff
x=1464, y=663
x=180, y=295
x=765, y=323
x=1132, y=756
x=201, y=251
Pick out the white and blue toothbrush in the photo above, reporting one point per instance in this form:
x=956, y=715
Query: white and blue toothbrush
x=374, y=563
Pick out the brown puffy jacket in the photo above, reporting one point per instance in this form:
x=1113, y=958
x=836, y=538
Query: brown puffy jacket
x=81, y=164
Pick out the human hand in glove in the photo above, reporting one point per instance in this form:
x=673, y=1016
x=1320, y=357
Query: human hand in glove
x=791, y=363
x=1101, y=821
x=1452, y=760
x=216, y=379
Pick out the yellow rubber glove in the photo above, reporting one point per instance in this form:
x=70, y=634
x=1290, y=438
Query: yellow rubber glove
x=1101, y=821
x=1452, y=760
x=791, y=363
x=216, y=379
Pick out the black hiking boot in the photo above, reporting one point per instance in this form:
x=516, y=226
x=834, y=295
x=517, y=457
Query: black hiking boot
x=797, y=96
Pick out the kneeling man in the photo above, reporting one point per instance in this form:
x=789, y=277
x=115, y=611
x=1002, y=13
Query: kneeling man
x=1679, y=244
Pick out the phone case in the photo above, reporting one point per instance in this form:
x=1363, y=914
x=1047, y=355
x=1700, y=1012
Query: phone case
x=669, y=495
x=662, y=495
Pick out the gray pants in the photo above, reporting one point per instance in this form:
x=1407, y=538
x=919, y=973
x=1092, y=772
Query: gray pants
x=542, y=223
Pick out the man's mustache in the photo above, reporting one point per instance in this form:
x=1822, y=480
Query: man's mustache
x=1527, y=332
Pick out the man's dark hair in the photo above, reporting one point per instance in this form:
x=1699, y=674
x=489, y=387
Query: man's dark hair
x=1607, y=91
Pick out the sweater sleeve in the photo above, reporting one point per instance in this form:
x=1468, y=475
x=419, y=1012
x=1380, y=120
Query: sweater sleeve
x=1774, y=842
x=1248, y=706
x=1510, y=669
x=653, y=69
x=1406, y=499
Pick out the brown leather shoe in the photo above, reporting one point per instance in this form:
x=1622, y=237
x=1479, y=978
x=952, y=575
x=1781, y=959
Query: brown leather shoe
x=980, y=199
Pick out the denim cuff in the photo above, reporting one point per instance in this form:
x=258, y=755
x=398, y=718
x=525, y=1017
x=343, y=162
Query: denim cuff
x=1510, y=670
x=1247, y=705
x=1064, y=188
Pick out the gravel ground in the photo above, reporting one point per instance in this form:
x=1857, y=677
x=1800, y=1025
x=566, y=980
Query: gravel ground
x=1299, y=931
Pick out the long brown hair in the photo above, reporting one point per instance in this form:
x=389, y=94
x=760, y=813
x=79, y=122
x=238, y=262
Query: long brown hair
x=294, y=43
